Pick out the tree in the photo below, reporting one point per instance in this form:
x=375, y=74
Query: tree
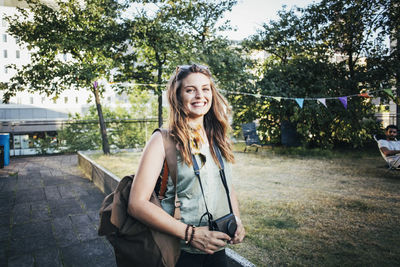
x=301, y=45
x=160, y=45
x=180, y=32
x=389, y=25
x=89, y=32
x=200, y=19
x=125, y=130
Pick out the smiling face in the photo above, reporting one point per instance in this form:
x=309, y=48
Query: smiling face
x=196, y=96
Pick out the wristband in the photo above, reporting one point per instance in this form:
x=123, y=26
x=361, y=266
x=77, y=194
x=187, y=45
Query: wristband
x=186, y=233
x=192, y=235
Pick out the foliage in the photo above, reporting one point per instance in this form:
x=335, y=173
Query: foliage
x=159, y=43
x=303, y=46
x=124, y=130
x=88, y=33
x=180, y=32
x=45, y=145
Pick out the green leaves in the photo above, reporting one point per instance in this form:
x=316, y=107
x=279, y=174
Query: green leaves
x=316, y=52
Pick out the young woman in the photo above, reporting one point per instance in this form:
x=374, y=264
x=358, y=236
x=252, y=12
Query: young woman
x=197, y=120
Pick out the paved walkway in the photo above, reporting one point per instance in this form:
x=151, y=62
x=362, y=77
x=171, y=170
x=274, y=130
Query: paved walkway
x=49, y=215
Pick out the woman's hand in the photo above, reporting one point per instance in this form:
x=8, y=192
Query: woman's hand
x=209, y=241
x=240, y=232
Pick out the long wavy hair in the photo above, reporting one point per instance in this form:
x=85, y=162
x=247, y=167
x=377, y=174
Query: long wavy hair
x=216, y=122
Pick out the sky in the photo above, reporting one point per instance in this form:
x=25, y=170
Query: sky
x=248, y=15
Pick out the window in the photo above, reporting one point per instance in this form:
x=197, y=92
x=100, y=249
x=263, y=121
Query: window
x=17, y=54
x=76, y=100
x=3, y=22
x=5, y=54
x=65, y=57
x=5, y=69
x=66, y=100
x=43, y=99
x=31, y=100
x=109, y=99
x=5, y=38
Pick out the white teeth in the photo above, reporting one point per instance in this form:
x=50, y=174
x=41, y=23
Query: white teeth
x=197, y=104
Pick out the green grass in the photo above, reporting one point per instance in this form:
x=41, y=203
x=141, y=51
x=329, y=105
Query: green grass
x=309, y=152
x=313, y=210
x=120, y=164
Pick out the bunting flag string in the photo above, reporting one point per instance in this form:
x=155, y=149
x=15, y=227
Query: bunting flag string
x=279, y=98
x=322, y=100
x=343, y=99
x=299, y=101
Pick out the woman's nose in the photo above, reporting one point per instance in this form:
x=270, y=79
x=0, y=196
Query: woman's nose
x=199, y=93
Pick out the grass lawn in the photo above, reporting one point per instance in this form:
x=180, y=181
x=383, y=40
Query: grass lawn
x=308, y=210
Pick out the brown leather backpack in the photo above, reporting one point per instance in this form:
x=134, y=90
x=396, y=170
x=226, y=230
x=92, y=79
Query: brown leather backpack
x=136, y=244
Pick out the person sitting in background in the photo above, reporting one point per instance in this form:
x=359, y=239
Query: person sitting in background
x=390, y=147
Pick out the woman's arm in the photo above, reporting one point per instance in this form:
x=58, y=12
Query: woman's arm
x=143, y=185
x=141, y=208
x=240, y=232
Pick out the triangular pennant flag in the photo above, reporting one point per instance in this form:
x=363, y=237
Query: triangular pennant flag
x=300, y=101
x=343, y=99
x=322, y=101
x=277, y=98
x=389, y=92
x=364, y=95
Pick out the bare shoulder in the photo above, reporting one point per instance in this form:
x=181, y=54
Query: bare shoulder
x=155, y=144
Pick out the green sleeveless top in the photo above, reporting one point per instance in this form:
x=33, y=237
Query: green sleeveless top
x=189, y=192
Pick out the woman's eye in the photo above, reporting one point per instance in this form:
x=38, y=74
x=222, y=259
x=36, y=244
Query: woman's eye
x=206, y=89
x=189, y=91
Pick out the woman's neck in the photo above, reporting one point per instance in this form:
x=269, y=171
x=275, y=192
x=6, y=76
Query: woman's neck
x=195, y=123
x=198, y=134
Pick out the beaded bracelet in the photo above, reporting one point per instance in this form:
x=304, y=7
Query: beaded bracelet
x=191, y=237
x=186, y=232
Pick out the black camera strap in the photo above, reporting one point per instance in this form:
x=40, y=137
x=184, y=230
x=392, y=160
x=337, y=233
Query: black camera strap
x=197, y=173
x=223, y=179
x=222, y=174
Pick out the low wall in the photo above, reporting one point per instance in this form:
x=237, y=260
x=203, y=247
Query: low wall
x=107, y=182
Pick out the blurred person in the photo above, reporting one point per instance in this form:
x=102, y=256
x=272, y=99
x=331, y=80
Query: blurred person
x=390, y=147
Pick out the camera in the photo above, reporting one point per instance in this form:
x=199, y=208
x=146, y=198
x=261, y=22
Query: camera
x=226, y=224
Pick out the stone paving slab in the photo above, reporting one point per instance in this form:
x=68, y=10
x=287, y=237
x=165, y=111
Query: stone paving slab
x=49, y=215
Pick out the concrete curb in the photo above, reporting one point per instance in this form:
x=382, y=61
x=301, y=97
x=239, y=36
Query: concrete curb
x=107, y=182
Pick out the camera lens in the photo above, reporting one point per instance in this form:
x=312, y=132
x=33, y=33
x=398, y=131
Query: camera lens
x=231, y=227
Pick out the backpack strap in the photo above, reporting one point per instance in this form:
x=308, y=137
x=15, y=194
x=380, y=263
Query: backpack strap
x=170, y=156
x=164, y=181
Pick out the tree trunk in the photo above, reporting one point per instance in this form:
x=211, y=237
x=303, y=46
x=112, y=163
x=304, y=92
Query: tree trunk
x=395, y=37
x=159, y=93
x=103, y=129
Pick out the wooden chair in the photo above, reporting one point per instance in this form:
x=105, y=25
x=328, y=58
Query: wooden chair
x=250, y=136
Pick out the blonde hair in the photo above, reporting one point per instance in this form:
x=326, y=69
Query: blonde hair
x=216, y=122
